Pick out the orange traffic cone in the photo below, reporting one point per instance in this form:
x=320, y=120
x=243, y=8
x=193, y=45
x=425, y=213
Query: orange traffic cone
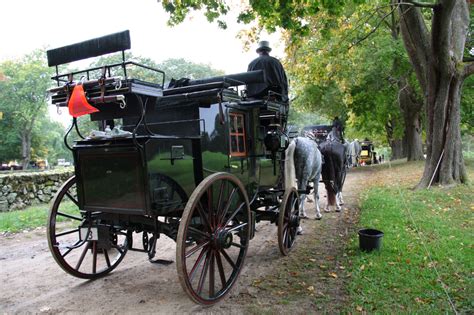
x=78, y=104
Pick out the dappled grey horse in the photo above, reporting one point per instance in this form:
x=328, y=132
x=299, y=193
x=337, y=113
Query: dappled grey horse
x=303, y=165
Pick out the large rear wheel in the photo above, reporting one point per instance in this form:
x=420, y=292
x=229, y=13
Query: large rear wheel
x=213, y=238
x=96, y=252
x=288, y=221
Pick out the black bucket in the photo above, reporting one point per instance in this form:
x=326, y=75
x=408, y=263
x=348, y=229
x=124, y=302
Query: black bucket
x=370, y=239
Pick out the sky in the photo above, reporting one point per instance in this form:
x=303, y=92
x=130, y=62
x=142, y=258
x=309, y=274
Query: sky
x=30, y=24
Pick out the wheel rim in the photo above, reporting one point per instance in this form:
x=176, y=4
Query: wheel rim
x=213, y=238
x=288, y=221
x=82, y=259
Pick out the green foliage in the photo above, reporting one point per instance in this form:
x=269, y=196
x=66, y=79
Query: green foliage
x=181, y=68
x=174, y=68
x=467, y=106
x=358, y=82
x=180, y=9
x=23, y=102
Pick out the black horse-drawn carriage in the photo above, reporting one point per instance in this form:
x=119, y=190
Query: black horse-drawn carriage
x=200, y=164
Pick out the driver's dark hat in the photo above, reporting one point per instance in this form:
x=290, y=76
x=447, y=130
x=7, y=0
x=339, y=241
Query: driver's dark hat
x=263, y=45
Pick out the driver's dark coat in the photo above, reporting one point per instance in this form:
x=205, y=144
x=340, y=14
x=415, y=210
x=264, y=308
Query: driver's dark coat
x=275, y=77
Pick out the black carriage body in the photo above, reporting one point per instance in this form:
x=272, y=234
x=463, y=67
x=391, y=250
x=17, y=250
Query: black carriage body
x=181, y=143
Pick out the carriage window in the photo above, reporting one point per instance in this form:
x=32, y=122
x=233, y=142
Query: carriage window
x=237, y=135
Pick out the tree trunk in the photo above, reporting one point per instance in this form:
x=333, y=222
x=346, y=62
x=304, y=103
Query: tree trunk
x=444, y=164
x=437, y=56
x=398, y=151
x=26, y=148
x=411, y=109
x=397, y=146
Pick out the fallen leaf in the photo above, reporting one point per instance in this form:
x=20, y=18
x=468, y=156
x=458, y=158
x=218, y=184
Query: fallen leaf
x=362, y=267
x=310, y=288
x=312, y=259
x=332, y=274
x=359, y=308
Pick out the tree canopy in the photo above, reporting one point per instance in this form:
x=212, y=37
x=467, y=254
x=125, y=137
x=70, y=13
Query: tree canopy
x=26, y=129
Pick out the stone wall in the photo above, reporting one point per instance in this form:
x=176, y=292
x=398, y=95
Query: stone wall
x=19, y=190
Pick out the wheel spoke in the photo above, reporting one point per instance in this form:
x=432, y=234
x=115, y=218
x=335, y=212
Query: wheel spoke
x=202, y=214
x=196, y=264
x=196, y=248
x=107, y=259
x=238, y=245
x=220, y=267
x=94, y=257
x=210, y=207
x=66, y=233
x=69, y=216
x=220, y=199
x=237, y=227
x=119, y=248
x=200, y=233
x=227, y=206
x=70, y=249
x=234, y=214
x=229, y=260
x=285, y=237
x=83, y=254
x=72, y=199
x=202, y=278
x=211, y=275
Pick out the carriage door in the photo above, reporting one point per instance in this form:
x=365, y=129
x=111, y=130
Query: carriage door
x=238, y=151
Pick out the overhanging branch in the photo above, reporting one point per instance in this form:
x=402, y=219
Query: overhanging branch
x=468, y=70
x=423, y=4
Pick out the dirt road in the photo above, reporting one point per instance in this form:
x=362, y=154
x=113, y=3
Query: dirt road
x=32, y=282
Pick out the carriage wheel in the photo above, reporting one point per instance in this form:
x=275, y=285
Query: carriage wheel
x=85, y=259
x=213, y=238
x=288, y=221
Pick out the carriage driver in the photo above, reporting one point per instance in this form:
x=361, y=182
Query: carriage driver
x=275, y=76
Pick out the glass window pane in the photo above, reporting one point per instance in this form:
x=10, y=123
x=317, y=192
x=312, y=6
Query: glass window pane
x=233, y=144
x=241, y=144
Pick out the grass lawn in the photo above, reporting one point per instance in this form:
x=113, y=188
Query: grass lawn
x=31, y=217
x=428, y=246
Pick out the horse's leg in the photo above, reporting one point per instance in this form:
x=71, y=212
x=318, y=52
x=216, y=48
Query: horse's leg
x=338, y=202
x=316, y=198
x=339, y=196
x=302, y=186
x=331, y=198
x=302, y=212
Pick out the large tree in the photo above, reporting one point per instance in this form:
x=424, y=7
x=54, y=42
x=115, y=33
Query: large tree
x=23, y=100
x=437, y=55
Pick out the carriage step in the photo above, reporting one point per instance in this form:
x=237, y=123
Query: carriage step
x=161, y=261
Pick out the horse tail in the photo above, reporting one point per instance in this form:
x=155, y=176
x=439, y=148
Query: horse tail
x=290, y=173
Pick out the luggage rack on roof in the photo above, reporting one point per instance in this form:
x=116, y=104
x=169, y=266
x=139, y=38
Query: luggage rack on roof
x=109, y=87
